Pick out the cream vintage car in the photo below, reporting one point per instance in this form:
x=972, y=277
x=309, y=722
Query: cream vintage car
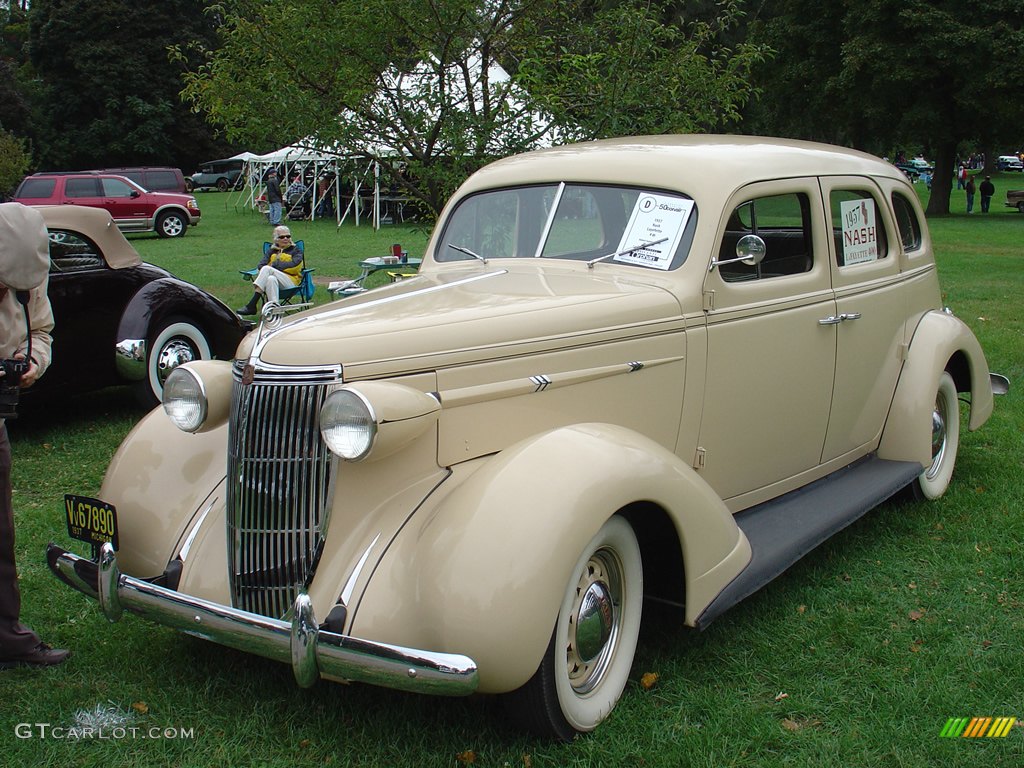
x=661, y=367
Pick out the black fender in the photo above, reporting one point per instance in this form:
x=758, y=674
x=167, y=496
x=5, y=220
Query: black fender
x=171, y=297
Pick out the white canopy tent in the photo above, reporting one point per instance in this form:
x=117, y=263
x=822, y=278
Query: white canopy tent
x=402, y=93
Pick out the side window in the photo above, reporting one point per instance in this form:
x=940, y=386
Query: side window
x=907, y=221
x=85, y=186
x=71, y=252
x=784, y=223
x=161, y=180
x=116, y=188
x=857, y=227
x=36, y=188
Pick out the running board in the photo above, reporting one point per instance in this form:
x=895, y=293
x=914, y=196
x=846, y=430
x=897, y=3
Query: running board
x=783, y=530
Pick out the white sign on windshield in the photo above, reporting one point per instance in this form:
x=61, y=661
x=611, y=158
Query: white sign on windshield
x=860, y=237
x=654, y=218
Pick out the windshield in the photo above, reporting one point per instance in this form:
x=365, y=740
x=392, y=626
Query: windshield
x=583, y=222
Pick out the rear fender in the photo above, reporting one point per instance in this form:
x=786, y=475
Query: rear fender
x=941, y=342
x=482, y=567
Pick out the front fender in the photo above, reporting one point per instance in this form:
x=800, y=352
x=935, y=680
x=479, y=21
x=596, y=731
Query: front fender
x=158, y=479
x=482, y=567
x=169, y=297
x=941, y=342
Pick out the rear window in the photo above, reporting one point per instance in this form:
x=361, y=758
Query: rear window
x=32, y=189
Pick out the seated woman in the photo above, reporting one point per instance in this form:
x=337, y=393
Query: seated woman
x=280, y=267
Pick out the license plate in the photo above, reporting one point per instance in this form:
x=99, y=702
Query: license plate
x=91, y=520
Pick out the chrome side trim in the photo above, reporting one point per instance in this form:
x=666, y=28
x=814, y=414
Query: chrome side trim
x=312, y=652
x=130, y=359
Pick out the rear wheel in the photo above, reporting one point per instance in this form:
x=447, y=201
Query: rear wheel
x=1020, y=206
x=587, y=663
x=171, y=224
x=945, y=440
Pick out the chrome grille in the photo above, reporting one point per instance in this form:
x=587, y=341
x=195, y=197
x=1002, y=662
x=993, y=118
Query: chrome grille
x=279, y=477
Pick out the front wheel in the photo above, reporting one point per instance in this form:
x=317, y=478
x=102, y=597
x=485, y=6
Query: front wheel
x=945, y=429
x=587, y=663
x=171, y=224
x=223, y=184
x=176, y=341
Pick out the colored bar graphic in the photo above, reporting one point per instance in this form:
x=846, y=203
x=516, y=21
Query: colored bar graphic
x=977, y=727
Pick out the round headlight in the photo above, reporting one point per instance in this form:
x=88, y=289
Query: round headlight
x=348, y=424
x=185, y=399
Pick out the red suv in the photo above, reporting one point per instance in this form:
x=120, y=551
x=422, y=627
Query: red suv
x=132, y=207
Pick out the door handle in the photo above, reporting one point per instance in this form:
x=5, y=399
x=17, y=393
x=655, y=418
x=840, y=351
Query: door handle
x=837, y=319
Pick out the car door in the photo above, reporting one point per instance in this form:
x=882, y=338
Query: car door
x=871, y=313
x=770, y=360
x=126, y=203
x=83, y=190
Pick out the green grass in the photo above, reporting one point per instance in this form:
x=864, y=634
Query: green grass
x=854, y=657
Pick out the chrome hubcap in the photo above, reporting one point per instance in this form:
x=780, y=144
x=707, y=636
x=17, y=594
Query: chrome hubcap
x=594, y=621
x=173, y=354
x=939, y=417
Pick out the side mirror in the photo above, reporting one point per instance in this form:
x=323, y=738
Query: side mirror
x=136, y=193
x=750, y=249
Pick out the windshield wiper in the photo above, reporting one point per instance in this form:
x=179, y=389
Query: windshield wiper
x=468, y=252
x=592, y=262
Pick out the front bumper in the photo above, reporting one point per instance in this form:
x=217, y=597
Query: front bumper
x=312, y=652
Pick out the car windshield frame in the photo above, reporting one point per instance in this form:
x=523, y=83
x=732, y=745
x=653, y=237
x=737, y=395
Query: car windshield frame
x=578, y=221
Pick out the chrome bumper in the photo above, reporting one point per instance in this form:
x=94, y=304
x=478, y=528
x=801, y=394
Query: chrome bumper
x=311, y=651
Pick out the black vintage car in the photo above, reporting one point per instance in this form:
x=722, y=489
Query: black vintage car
x=121, y=320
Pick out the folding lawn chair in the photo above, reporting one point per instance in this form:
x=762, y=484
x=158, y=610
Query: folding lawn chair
x=304, y=290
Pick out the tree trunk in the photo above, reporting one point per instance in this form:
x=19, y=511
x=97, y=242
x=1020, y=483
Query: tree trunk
x=942, y=180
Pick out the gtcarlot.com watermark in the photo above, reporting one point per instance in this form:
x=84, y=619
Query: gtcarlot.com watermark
x=105, y=721
x=116, y=732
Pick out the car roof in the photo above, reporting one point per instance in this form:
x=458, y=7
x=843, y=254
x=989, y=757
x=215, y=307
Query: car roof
x=720, y=163
x=98, y=226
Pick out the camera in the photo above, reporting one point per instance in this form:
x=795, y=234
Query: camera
x=10, y=386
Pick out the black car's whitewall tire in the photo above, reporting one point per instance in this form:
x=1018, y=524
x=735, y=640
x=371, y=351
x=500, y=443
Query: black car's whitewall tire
x=945, y=440
x=587, y=664
x=176, y=341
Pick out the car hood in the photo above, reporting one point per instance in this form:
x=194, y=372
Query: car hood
x=454, y=317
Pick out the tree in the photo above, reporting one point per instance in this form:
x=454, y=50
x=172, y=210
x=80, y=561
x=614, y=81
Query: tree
x=877, y=75
x=640, y=67
x=107, y=91
x=14, y=161
x=420, y=80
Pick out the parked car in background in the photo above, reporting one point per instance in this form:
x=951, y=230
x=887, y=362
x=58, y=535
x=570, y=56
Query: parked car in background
x=1009, y=163
x=118, y=319
x=153, y=179
x=133, y=208
x=1015, y=199
x=648, y=368
x=220, y=174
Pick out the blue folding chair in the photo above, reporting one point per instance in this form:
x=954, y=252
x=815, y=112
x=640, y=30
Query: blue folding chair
x=304, y=290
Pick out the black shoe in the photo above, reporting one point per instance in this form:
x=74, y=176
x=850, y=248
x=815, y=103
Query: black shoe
x=248, y=309
x=40, y=656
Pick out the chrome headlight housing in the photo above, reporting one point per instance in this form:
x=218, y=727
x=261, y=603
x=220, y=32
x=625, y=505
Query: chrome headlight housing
x=184, y=399
x=369, y=420
x=348, y=424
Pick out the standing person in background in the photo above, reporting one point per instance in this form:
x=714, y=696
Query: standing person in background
x=987, y=189
x=274, y=198
x=970, y=189
x=25, y=324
